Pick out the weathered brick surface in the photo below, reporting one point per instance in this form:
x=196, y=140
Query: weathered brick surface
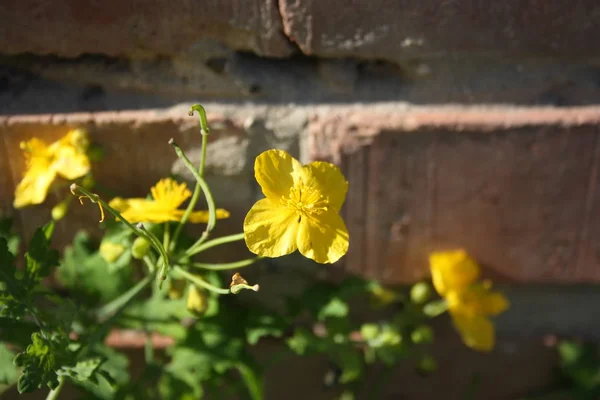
x=516, y=187
x=71, y=27
x=391, y=29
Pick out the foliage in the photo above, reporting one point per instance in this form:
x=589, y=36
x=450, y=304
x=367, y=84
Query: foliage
x=145, y=275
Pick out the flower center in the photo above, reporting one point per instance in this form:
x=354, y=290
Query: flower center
x=305, y=200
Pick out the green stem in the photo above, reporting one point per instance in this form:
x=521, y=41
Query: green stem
x=166, y=233
x=54, y=393
x=251, y=380
x=148, y=348
x=200, y=282
x=226, y=266
x=94, y=198
x=212, y=243
x=212, y=210
x=123, y=300
x=204, y=130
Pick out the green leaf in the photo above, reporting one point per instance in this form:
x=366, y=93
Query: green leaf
x=8, y=371
x=301, y=342
x=114, y=373
x=261, y=325
x=40, y=362
x=351, y=363
x=40, y=258
x=90, y=278
x=7, y=233
x=83, y=370
x=336, y=308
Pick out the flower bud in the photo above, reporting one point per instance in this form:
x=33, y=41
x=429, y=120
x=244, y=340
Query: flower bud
x=140, y=247
x=111, y=251
x=197, y=300
x=422, y=334
x=60, y=210
x=420, y=292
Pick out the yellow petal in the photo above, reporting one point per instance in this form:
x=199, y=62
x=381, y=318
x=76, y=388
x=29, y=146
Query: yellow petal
x=494, y=303
x=71, y=164
x=323, y=237
x=328, y=180
x=33, y=189
x=476, y=332
x=270, y=230
x=169, y=193
x=276, y=171
x=198, y=217
x=452, y=270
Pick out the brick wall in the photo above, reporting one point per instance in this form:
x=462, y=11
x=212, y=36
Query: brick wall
x=458, y=123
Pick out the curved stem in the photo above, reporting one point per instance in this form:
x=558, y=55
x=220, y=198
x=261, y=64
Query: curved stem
x=54, y=393
x=140, y=232
x=204, y=130
x=198, y=281
x=195, y=249
x=226, y=266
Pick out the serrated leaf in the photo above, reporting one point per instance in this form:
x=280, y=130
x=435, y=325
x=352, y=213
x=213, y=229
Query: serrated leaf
x=88, y=275
x=7, y=233
x=41, y=361
x=8, y=371
x=40, y=258
x=83, y=370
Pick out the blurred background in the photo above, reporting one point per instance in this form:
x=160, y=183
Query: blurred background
x=459, y=123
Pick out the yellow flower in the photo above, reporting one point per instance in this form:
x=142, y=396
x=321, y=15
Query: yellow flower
x=65, y=158
x=300, y=211
x=452, y=270
x=470, y=310
x=470, y=303
x=167, y=196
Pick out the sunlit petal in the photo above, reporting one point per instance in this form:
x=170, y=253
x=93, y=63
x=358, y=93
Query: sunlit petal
x=452, y=270
x=170, y=193
x=33, y=189
x=476, y=332
x=276, y=171
x=328, y=181
x=323, y=238
x=270, y=230
x=71, y=164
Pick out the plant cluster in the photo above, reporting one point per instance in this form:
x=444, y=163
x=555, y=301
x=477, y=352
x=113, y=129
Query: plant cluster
x=146, y=273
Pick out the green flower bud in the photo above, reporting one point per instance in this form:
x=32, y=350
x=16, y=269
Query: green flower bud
x=420, y=292
x=140, y=247
x=60, y=210
x=422, y=334
x=197, y=300
x=111, y=251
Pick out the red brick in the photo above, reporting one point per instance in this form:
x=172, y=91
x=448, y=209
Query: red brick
x=71, y=27
x=517, y=188
x=392, y=29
